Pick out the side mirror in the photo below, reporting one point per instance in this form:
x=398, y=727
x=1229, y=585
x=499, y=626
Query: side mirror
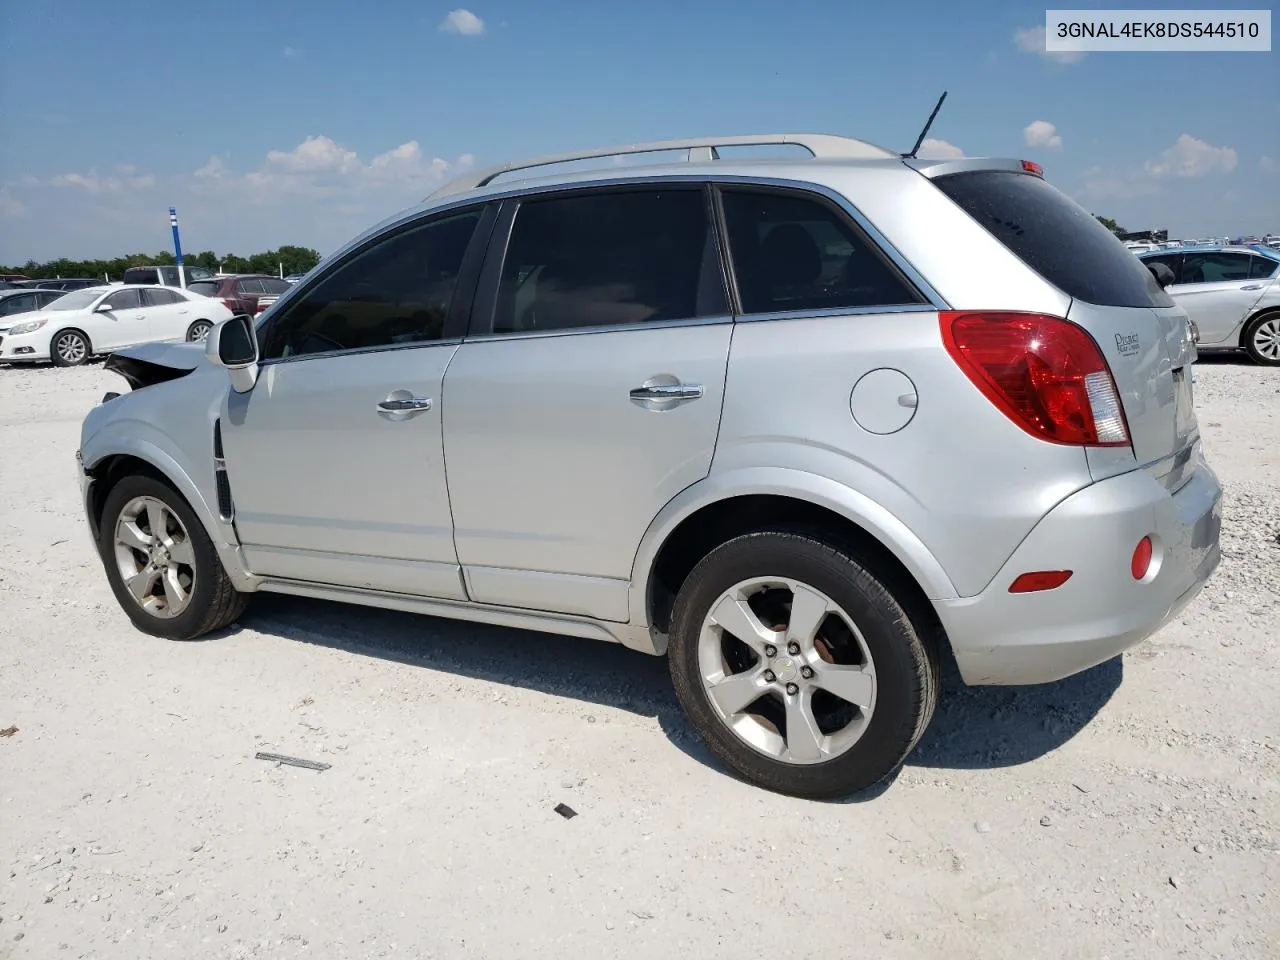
x=103, y=307
x=233, y=344
x=1164, y=276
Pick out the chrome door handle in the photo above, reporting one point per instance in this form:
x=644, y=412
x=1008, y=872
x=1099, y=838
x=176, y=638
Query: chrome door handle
x=1253, y=286
x=404, y=404
x=668, y=391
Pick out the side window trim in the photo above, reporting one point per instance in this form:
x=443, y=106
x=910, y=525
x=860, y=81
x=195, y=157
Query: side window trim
x=459, y=306
x=490, y=272
x=844, y=210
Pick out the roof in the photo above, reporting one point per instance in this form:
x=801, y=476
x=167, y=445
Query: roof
x=1258, y=249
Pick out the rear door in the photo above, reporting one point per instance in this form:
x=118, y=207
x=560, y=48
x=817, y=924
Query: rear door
x=1215, y=289
x=1144, y=336
x=588, y=394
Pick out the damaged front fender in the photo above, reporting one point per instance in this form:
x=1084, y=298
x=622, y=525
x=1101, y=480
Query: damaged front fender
x=153, y=363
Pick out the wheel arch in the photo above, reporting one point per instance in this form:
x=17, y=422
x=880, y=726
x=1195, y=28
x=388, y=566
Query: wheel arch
x=72, y=328
x=718, y=508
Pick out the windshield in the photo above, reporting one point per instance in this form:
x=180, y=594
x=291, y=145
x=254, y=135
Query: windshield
x=78, y=300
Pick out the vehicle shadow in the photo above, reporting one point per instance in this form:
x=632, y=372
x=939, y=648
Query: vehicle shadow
x=973, y=728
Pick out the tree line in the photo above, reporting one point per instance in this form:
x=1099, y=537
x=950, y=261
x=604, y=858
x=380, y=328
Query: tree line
x=289, y=258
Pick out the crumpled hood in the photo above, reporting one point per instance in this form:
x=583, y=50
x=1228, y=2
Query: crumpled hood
x=151, y=363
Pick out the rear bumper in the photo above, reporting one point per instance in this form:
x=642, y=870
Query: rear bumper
x=1004, y=638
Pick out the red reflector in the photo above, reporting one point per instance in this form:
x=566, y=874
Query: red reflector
x=1032, y=167
x=1044, y=373
x=1040, y=580
x=1141, y=561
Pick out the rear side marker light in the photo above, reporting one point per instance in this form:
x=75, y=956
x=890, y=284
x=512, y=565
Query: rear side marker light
x=1141, y=562
x=1030, y=166
x=1039, y=580
x=1044, y=373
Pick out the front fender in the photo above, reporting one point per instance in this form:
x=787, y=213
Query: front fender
x=820, y=491
x=137, y=438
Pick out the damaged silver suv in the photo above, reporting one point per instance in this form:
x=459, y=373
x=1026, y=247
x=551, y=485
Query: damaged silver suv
x=802, y=425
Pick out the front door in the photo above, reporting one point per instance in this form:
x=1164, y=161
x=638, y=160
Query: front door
x=335, y=457
x=124, y=323
x=589, y=396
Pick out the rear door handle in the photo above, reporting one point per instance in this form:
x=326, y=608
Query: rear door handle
x=654, y=395
x=400, y=406
x=1253, y=286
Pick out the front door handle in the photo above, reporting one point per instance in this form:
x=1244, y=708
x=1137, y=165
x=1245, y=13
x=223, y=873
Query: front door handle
x=1253, y=286
x=665, y=393
x=401, y=405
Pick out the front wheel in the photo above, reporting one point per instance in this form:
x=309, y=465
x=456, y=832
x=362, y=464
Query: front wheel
x=798, y=667
x=198, y=331
x=161, y=564
x=1261, y=339
x=69, y=348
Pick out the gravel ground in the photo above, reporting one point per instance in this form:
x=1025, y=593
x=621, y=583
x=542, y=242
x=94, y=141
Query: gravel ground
x=1132, y=811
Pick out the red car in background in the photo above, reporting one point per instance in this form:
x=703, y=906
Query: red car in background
x=241, y=292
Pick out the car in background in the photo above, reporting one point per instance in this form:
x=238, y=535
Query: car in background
x=24, y=300
x=65, y=284
x=166, y=275
x=1231, y=294
x=102, y=319
x=294, y=277
x=241, y=293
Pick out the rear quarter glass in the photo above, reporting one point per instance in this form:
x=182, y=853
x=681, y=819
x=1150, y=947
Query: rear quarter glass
x=1055, y=236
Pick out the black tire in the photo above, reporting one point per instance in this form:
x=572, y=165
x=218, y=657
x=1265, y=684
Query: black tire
x=78, y=348
x=198, y=330
x=214, y=601
x=904, y=656
x=1250, y=332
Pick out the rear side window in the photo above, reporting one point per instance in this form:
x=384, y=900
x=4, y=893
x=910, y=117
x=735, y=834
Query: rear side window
x=1263, y=267
x=1214, y=267
x=793, y=252
x=1055, y=236
x=274, y=285
x=251, y=285
x=608, y=259
x=160, y=297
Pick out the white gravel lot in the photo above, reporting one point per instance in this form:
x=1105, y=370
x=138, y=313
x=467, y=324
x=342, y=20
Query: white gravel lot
x=1133, y=811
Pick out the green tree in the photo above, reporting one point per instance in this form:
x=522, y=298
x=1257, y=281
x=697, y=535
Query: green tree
x=294, y=260
x=1110, y=224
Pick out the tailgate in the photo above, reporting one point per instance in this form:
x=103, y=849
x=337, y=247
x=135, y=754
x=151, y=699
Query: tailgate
x=1150, y=352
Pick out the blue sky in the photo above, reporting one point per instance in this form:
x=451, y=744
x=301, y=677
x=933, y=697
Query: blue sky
x=305, y=122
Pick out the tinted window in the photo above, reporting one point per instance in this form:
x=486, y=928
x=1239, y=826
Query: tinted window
x=141, y=275
x=125, y=299
x=608, y=258
x=1170, y=260
x=43, y=298
x=1214, y=267
x=1054, y=236
x=206, y=288
x=159, y=297
x=797, y=253
x=397, y=291
x=1262, y=268
x=19, y=304
x=250, y=286
x=274, y=285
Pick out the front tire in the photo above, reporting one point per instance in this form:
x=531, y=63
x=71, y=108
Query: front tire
x=161, y=564
x=198, y=331
x=69, y=348
x=1261, y=339
x=798, y=666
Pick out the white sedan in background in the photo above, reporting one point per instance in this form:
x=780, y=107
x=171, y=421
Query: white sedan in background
x=94, y=320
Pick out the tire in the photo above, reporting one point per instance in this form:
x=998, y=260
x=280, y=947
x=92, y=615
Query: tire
x=1261, y=339
x=211, y=602
x=198, y=331
x=901, y=658
x=69, y=348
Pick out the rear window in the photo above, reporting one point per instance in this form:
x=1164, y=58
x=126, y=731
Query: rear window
x=206, y=288
x=1056, y=237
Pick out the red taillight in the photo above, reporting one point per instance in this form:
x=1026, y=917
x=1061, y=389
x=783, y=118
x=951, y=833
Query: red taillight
x=1044, y=373
x=1030, y=166
x=1040, y=580
x=1141, y=561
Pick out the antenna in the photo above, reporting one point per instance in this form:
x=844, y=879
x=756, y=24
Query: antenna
x=928, y=124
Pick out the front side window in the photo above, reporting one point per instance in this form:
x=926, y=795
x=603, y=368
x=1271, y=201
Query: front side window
x=1214, y=267
x=124, y=300
x=396, y=291
x=792, y=252
x=609, y=258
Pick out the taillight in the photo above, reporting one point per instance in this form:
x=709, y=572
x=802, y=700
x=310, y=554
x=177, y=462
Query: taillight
x=1044, y=373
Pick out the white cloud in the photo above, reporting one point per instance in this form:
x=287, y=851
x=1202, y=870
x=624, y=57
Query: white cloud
x=1103, y=183
x=212, y=170
x=314, y=154
x=932, y=149
x=93, y=183
x=1192, y=157
x=1031, y=40
x=462, y=21
x=1267, y=165
x=1042, y=133
x=291, y=53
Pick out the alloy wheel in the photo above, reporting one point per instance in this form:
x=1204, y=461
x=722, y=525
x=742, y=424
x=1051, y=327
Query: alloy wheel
x=155, y=557
x=71, y=347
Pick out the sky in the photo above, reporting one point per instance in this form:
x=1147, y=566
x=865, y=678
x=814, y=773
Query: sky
x=289, y=122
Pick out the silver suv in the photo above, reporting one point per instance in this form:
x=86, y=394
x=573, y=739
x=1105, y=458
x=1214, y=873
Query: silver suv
x=802, y=425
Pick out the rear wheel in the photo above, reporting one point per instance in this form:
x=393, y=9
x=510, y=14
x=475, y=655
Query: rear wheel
x=161, y=564
x=69, y=348
x=198, y=331
x=1261, y=339
x=798, y=666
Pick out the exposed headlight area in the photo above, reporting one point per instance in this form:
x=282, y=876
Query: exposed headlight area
x=30, y=326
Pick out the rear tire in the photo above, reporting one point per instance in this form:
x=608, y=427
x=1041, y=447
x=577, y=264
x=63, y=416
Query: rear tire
x=857, y=656
x=198, y=331
x=69, y=348
x=161, y=564
x=1261, y=339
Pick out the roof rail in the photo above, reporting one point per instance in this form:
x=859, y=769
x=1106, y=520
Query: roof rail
x=820, y=145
